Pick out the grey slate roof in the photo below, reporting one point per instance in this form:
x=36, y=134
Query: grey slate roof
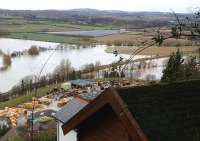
x=69, y=110
x=80, y=82
x=90, y=96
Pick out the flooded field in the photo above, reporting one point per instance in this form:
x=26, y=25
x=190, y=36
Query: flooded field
x=11, y=45
x=92, y=33
x=147, y=70
x=31, y=65
x=27, y=65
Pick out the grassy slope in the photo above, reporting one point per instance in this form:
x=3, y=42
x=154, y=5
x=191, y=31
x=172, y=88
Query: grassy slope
x=22, y=99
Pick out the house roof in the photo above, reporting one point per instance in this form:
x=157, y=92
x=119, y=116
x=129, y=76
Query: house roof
x=91, y=95
x=154, y=113
x=74, y=106
x=80, y=82
x=69, y=110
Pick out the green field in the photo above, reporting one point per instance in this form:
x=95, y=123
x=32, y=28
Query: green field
x=30, y=29
x=21, y=25
x=51, y=38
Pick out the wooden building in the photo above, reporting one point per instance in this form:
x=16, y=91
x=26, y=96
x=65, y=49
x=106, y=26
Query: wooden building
x=168, y=112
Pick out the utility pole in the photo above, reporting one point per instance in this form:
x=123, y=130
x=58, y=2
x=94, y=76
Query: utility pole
x=37, y=79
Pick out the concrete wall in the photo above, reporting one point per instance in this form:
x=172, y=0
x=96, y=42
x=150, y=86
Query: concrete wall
x=71, y=136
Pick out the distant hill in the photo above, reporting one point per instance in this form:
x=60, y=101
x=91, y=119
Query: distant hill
x=93, y=16
x=84, y=10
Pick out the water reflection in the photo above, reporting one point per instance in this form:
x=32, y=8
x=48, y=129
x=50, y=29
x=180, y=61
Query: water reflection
x=147, y=70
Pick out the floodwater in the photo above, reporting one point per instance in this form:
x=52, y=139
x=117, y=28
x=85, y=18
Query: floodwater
x=26, y=65
x=10, y=45
x=92, y=33
x=150, y=70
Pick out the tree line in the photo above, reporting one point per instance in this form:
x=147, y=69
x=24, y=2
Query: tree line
x=63, y=72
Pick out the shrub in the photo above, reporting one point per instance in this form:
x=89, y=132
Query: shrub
x=3, y=130
x=7, y=60
x=1, y=52
x=118, y=43
x=25, y=37
x=174, y=68
x=40, y=137
x=109, y=43
x=89, y=66
x=33, y=51
x=45, y=119
x=64, y=69
x=180, y=69
x=46, y=137
x=14, y=139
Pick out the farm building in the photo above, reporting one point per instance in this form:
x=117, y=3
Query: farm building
x=80, y=83
x=162, y=112
x=4, y=96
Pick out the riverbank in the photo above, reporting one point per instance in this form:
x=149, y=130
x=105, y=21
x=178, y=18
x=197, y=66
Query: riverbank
x=52, y=38
x=161, y=51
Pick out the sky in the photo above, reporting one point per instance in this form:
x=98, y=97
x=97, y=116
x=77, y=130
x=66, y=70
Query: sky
x=181, y=6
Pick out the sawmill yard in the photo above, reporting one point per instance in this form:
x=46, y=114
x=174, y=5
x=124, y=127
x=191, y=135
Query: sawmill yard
x=47, y=102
